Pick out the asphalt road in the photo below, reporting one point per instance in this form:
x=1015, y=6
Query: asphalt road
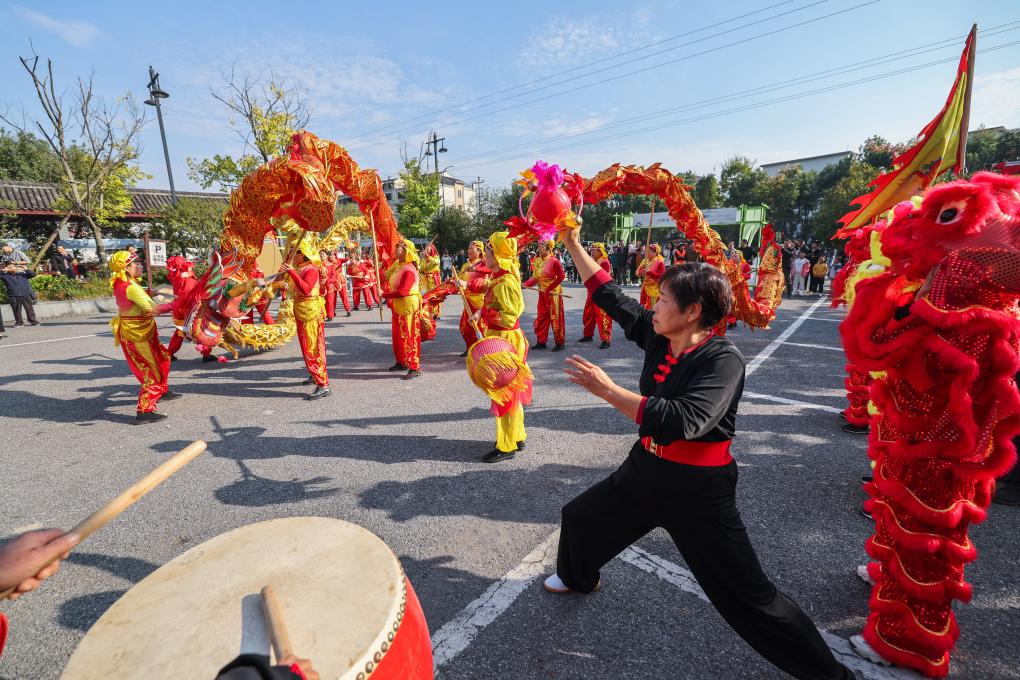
x=402, y=459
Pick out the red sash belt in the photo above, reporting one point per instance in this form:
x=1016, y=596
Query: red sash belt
x=516, y=326
x=702, y=454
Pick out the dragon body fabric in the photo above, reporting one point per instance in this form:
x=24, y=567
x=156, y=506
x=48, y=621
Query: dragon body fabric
x=939, y=330
x=557, y=190
x=296, y=193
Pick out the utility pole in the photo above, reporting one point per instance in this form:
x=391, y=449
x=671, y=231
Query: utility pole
x=478, y=197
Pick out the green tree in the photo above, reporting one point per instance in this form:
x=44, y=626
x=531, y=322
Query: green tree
x=836, y=202
x=94, y=143
x=707, y=193
x=740, y=181
x=194, y=225
x=267, y=116
x=25, y=157
x=1007, y=148
x=453, y=229
x=877, y=152
x=421, y=199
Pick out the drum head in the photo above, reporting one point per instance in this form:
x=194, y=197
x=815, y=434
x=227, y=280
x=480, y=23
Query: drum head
x=340, y=587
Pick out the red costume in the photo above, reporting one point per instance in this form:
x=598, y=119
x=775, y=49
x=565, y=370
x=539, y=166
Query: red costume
x=134, y=329
x=180, y=272
x=650, y=271
x=548, y=274
x=475, y=276
x=431, y=277
x=340, y=283
x=404, y=300
x=328, y=274
x=593, y=314
x=945, y=403
x=308, y=315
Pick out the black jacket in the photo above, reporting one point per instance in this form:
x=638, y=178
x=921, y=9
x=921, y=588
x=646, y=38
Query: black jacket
x=17, y=283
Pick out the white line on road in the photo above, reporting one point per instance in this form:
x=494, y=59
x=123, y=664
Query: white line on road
x=685, y=581
x=455, y=636
x=791, y=402
x=774, y=345
x=808, y=344
x=819, y=318
x=40, y=342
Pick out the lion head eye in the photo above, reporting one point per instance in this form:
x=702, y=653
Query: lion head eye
x=951, y=213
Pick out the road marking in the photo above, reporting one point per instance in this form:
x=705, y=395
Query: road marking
x=40, y=342
x=819, y=318
x=455, y=636
x=808, y=344
x=774, y=345
x=685, y=581
x=791, y=402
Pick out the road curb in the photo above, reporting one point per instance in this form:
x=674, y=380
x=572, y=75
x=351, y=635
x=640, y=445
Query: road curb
x=62, y=308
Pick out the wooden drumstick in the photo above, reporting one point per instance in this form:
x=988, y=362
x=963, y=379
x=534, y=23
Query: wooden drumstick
x=122, y=502
x=278, y=635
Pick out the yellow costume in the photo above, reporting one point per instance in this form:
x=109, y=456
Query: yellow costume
x=501, y=309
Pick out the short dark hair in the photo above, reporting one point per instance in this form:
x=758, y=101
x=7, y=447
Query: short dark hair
x=692, y=282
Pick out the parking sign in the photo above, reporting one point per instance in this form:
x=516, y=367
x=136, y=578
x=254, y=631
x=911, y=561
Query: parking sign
x=157, y=253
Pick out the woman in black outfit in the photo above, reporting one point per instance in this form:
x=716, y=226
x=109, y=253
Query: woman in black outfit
x=680, y=475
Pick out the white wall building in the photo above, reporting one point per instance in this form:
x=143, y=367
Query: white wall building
x=809, y=164
x=453, y=193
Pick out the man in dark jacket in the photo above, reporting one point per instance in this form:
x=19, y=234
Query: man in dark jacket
x=60, y=263
x=19, y=293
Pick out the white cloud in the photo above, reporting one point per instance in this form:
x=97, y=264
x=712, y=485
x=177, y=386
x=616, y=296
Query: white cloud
x=564, y=42
x=995, y=99
x=76, y=33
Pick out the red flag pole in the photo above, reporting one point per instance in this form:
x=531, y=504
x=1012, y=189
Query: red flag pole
x=961, y=152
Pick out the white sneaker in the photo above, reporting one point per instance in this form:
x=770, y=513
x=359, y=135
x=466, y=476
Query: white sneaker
x=866, y=651
x=862, y=573
x=554, y=584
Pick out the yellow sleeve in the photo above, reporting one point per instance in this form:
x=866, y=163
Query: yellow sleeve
x=507, y=300
x=137, y=295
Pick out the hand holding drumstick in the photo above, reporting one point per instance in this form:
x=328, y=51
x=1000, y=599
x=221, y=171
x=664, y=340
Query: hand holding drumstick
x=31, y=558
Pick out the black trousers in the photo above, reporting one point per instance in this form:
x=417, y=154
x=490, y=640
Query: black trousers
x=817, y=283
x=697, y=506
x=22, y=302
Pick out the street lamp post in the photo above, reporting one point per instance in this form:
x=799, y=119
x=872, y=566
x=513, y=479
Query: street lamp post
x=433, y=147
x=155, y=94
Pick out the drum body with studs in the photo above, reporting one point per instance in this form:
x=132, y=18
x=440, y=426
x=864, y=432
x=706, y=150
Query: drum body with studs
x=345, y=600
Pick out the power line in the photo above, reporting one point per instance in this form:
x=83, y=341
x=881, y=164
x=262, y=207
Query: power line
x=734, y=110
x=560, y=74
x=603, y=81
x=819, y=75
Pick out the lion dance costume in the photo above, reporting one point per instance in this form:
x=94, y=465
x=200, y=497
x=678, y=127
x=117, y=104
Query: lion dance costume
x=548, y=274
x=593, y=315
x=944, y=403
x=134, y=330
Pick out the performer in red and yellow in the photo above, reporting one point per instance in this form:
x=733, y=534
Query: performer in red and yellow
x=328, y=277
x=134, y=329
x=404, y=300
x=475, y=276
x=593, y=314
x=341, y=282
x=356, y=270
x=548, y=274
x=431, y=275
x=260, y=299
x=309, y=311
x=651, y=270
x=501, y=311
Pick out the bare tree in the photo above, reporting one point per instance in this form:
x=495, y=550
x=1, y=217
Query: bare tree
x=93, y=140
x=270, y=110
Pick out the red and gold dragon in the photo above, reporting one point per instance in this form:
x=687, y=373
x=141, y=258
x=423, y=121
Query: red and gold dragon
x=939, y=331
x=294, y=194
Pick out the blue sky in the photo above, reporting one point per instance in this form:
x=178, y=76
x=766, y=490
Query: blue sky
x=379, y=74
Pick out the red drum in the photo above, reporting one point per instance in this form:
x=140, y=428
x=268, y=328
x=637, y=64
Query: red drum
x=345, y=601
